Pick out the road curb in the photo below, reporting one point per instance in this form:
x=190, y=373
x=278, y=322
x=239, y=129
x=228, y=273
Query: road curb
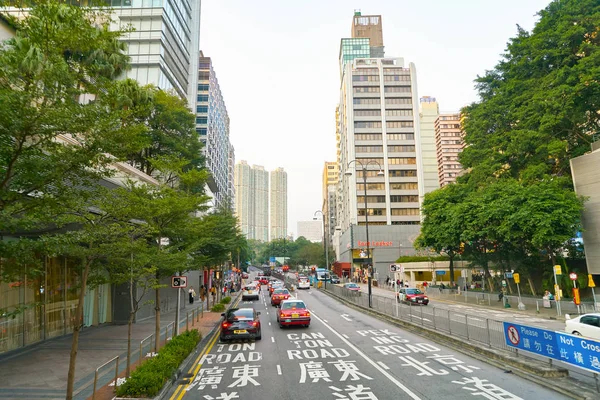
x=555, y=378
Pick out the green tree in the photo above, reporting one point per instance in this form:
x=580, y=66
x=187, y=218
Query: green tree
x=442, y=227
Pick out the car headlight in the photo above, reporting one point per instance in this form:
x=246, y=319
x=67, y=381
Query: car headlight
x=425, y=298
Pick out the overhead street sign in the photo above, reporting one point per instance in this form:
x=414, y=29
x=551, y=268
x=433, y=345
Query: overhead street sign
x=178, y=282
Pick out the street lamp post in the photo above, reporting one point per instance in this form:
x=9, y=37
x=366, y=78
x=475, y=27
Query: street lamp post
x=369, y=265
x=325, y=244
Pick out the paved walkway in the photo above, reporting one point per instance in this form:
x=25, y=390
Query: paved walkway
x=40, y=371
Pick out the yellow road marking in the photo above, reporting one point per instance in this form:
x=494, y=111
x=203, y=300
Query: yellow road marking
x=181, y=389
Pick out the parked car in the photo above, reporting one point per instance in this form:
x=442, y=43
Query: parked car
x=412, y=296
x=335, y=278
x=240, y=323
x=293, y=312
x=250, y=292
x=279, y=295
x=584, y=325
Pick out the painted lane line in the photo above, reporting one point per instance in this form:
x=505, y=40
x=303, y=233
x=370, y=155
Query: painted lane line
x=272, y=339
x=278, y=369
x=346, y=336
x=345, y=316
x=382, y=365
x=267, y=313
x=370, y=361
x=269, y=324
x=325, y=321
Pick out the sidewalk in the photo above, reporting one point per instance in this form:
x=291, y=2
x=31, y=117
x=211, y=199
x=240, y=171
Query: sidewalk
x=474, y=299
x=40, y=371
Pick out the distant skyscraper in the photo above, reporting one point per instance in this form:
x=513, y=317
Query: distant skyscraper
x=251, y=200
x=311, y=230
x=278, y=204
x=449, y=144
x=428, y=114
x=371, y=27
x=212, y=125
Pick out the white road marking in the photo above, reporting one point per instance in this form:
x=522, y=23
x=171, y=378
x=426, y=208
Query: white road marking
x=345, y=316
x=346, y=336
x=325, y=320
x=278, y=369
x=269, y=324
x=272, y=339
x=382, y=365
x=267, y=313
x=370, y=361
x=424, y=319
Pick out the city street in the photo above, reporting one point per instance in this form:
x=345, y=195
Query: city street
x=344, y=355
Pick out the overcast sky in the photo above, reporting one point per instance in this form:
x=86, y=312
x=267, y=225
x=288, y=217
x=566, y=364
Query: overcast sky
x=277, y=64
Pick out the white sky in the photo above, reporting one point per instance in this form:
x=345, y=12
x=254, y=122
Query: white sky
x=277, y=64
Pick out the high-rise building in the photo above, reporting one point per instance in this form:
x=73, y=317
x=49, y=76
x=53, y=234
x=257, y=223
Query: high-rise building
x=251, y=200
x=371, y=27
x=278, y=204
x=378, y=129
x=428, y=114
x=212, y=125
x=164, y=45
x=311, y=230
x=449, y=143
x=331, y=175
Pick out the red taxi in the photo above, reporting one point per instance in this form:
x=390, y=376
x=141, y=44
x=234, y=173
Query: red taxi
x=264, y=280
x=279, y=295
x=293, y=312
x=412, y=296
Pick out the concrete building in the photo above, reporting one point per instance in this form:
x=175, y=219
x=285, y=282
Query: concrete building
x=371, y=27
x=311, y=230
x=279, y=210
x=331, y=175
x=449, y=143
x=212, y=125
x=429, y=111
x=378, y=127
x=252, y=201
x=586, y=181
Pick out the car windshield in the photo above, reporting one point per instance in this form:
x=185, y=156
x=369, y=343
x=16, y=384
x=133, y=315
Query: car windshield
x=351, y=285
x=241, y=313
x=249, y=288
x=281, y=291
x=293, y=304
x=413, y=291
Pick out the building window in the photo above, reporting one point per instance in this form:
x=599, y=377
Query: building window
x=402, y=160
x=402, y=173
x=398, y=100
x=367, y=136
x=397, y=89
x=400, y=136
x=404, y=199
x=370, y=199
x=371, y=186
x=401, y=149
x=203, y=87
x=367, y=124
x=399, y=113
x=201, y=131
x=404, y=186
x=399, y=124
x=372, y=211
x=367, y=101
x=405, y=211
x=202, y=109
x=201, y=120
x=366, y=89
x=367, y=113
x=202, y=97
x=368, y=149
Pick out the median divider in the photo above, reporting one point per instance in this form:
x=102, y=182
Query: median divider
x=551, y=376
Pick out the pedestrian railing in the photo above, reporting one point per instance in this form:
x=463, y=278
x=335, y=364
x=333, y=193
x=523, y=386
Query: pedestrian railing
x=474, y=328
x=116, y=359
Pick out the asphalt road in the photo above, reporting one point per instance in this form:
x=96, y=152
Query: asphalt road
x=345, y=354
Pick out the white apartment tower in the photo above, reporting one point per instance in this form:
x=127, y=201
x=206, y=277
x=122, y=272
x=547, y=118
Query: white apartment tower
x=278, y=204
x=429, y=112
x=252, y=200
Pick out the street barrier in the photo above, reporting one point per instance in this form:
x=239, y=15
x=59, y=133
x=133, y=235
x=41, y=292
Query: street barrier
x=485, y=331
x=102, y=366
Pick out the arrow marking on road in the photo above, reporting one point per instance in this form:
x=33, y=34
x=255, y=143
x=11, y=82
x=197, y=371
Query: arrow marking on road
x=345, y=316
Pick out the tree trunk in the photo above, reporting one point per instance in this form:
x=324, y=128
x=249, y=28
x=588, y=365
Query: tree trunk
x=129, y=329
x=157, y=318
x=532, y=286
x=451, y=270
x=76, y=329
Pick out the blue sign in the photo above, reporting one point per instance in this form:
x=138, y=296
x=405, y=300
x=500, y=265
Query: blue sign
x=534, y=340
x=508, y=275
x=440, y=272
x=578, y=351
x=574, y=350
x=271, y=259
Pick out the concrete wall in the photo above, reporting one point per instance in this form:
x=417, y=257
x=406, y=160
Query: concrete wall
x=586, y=180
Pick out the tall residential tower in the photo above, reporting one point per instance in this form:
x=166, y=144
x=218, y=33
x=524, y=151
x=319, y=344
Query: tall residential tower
x=278, y=204
x=252, y=200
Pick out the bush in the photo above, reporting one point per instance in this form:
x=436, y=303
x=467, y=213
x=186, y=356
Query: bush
x=218, y=308
x=407, y=259
x=149, y=378
x=226, y=300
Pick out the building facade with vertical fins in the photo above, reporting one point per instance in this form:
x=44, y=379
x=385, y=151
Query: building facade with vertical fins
x=449, y=144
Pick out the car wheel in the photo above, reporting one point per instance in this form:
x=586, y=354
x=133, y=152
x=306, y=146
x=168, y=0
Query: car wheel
x=222, y=339
x=259, y=336
x=576, y=333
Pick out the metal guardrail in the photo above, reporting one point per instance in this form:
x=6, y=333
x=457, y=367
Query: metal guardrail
x=102, y=366
x=142, y=343
x=486, y=331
